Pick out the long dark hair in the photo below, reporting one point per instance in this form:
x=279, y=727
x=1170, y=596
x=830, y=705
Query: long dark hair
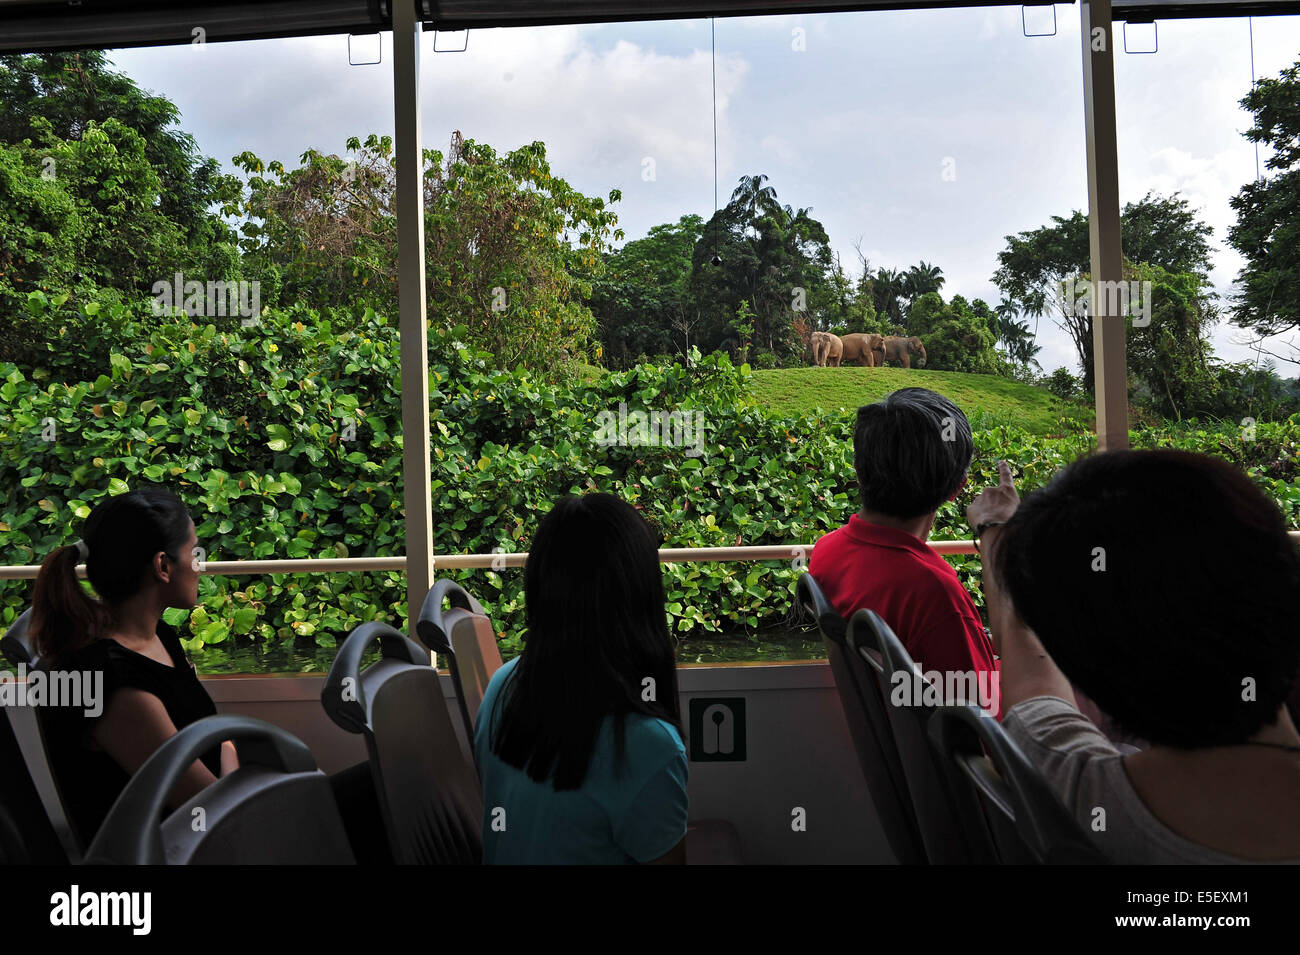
x=122, y=535
x=597, y=629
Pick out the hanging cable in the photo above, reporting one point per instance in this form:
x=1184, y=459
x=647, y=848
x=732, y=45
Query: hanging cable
x=713, y=45
x=1250, y=21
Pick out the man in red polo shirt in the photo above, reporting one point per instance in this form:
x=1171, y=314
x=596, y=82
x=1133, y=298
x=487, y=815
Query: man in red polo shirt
x=911, y=452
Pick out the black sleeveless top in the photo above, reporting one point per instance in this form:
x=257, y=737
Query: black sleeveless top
x=89, y=779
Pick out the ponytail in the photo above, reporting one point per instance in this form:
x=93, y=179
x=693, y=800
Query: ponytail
x=122, y=535
x=64, y=617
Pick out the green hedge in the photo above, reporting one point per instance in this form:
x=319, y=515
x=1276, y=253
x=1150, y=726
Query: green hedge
x=250, y=427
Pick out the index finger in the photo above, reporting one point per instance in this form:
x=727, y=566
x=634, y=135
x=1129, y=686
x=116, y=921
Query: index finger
x=1004, y=474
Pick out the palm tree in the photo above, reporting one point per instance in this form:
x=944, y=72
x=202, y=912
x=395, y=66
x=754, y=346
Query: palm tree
x=1005, y=320
x=752, y=199
x=887, y=290
x=1021, y=347
x=921, y=278
x=1014, y=335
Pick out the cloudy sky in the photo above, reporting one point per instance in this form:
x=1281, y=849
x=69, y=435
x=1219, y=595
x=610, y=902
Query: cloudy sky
x=855, y=115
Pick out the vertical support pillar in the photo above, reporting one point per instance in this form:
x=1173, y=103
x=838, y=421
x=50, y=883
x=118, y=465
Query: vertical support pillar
x=413, y=328
x=1108, y=331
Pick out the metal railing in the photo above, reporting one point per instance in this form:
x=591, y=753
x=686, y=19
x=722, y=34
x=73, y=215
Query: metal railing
x=336, y=565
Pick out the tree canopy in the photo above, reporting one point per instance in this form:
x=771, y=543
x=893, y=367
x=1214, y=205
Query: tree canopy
x=1158, y=230
x=1267, y=232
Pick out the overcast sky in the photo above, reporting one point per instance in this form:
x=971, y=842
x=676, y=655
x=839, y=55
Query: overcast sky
x=857, y=124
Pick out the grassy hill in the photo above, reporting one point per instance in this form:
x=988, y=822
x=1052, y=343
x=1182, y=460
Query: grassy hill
x=987, y=400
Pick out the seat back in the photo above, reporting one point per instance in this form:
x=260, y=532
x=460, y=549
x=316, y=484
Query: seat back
x=24, y=727
x=869, y=728
x=428, y=792
x=909, y=702
x=31, y=836
x=17, y=645
x=995, y=779
x=276, y=808
x=463, y=634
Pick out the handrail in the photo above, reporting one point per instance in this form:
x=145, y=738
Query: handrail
x=334, y=565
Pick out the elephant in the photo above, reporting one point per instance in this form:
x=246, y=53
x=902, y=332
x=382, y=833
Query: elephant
x=899, y=349
x=866, y=350
x=817, y=344
x=827, y=349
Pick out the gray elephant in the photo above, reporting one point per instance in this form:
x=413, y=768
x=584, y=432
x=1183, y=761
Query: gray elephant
x=901, y=350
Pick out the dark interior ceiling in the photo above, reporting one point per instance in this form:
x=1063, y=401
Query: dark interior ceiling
x=44, y=25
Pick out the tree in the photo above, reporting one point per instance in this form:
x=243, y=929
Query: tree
x=777, y=258
x=752, y=200
x=103, y=202
x=499, y=255
x=842, y=307
x=921, y=278
x=39, y=229
x=61, y=96
x=1169, y=357
x=1016, y=338
x=743, y=324
x=1267, y=232
x=958, y=336
x=1064, y=385
x=887, y=290
x=323, y=234
x=1161, y=231
x=643, y=295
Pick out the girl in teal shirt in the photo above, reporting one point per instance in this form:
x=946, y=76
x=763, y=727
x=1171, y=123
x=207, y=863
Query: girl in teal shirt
x=579, y=739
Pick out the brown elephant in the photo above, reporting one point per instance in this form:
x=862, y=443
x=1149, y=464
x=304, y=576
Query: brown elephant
x=866, y=350
x=827, y=349
x=816, y=346
x=901, y=350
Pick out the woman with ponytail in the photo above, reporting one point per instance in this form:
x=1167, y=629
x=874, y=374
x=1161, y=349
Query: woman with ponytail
x=138, y=549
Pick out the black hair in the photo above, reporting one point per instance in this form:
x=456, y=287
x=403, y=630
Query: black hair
x=1164, y=585
x=911, y=450
x=121, y=535
x=597, y=631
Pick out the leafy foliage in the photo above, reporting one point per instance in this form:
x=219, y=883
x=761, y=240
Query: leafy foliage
x=642, y=298
x=775, y=258
x=61, y=96
x=500, y=259
x=1267, y=231
x=1158, y=230
x=958, y=336
x=251, y=427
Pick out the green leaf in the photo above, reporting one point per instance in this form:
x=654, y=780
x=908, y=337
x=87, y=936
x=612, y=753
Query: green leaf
x=214, y=632
x=175, y=616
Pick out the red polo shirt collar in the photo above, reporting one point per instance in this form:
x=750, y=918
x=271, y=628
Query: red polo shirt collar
x=865, y=532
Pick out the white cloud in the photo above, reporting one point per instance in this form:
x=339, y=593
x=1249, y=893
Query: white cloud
x=855, y=127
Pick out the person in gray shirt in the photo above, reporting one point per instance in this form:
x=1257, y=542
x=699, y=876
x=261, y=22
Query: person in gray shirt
x=1163, y=585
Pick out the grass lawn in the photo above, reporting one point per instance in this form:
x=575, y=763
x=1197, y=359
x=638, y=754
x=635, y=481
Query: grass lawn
x=987, y=400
